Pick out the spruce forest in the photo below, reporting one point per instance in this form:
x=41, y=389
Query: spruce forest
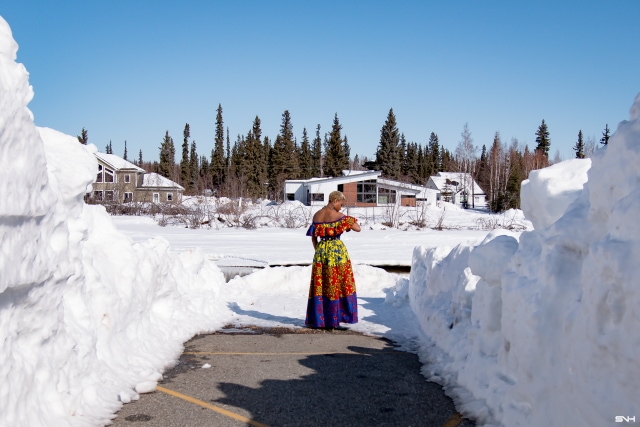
x=255, y=166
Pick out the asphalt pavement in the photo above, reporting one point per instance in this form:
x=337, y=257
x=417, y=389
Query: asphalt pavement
x=279, y=377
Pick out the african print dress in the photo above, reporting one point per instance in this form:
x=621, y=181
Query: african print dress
x=332, y=294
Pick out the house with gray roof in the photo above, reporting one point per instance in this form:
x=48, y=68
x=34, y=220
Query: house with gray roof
x=120, y=181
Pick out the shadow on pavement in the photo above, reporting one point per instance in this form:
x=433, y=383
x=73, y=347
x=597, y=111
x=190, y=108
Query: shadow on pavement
x=369, y=387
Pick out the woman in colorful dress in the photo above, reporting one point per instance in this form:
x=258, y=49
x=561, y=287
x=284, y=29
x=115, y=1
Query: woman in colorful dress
x=332, y=294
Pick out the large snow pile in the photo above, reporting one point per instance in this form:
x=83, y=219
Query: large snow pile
x=543, y=330
x=87, y=318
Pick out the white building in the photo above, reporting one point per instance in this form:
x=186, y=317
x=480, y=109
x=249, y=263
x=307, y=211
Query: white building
x=361, y=188
x=458, y=188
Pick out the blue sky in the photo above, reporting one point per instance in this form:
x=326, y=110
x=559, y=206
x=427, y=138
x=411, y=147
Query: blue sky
x=131, y=70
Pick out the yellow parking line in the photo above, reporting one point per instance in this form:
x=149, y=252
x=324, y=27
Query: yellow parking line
x=454, y=421
x=212, y=407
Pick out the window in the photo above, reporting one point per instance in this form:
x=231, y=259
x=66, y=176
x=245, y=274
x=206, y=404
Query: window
x=108, y=196
x=291, y=196
x=156, y=197
x=128, y=197
x=366, y=191
x=108, y=175
x=317, y=197
x=127, y=178
x=169, y=197
x=99, y=176
x=341, y=188
x=97, y=195
x=386, y=196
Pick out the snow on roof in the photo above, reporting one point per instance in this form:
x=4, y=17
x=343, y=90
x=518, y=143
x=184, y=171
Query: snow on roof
x=117, y=162
x=402, y=185
x=352, y=172
x=155, y=180
x=348, y=177
x=440, y=181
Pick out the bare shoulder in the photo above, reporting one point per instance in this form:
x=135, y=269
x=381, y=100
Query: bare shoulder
x=318, y=216
x=326, y=215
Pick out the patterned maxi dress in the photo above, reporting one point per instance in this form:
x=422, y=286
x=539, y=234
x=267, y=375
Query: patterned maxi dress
x=332, y=294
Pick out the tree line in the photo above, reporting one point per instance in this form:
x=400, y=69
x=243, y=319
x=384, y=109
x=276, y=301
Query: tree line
x=254, y=166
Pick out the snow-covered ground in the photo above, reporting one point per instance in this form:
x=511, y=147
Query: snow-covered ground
x=537, y=328
x=284, y=246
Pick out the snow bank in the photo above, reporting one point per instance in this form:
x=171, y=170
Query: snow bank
x=87, y=318
x=548, y=192
x=543, y=330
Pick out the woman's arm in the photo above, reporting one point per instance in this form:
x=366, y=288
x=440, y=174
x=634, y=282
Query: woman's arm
x=352, y=223
x=314, y=242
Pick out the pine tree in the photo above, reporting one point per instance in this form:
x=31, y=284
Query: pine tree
x=412, y=170
x=204, y=172
x=267, y=153
x=482, y=177
x=334, y=157
x=236, y=174
x=542, y=139
x=228, y=150
x=140, y=158
x=448, y=161
x=402, y=155
x=165, y=166
x=512, y=194
x=288, y=141
x=605, y=135
x=579, y=147
x=125, y=150
x=109, y=148
x=172, y=160
x=346, y=149
x=83, y=138
x=193, y=169
x=185, y=164
x=254, y=162
x=424, y=168
x=316, y=155
x=227, y=165
x=494, y=189
x=217, y=154
x=284, y=162
x=306, y=164
x=435, y=158
x=387, y=155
